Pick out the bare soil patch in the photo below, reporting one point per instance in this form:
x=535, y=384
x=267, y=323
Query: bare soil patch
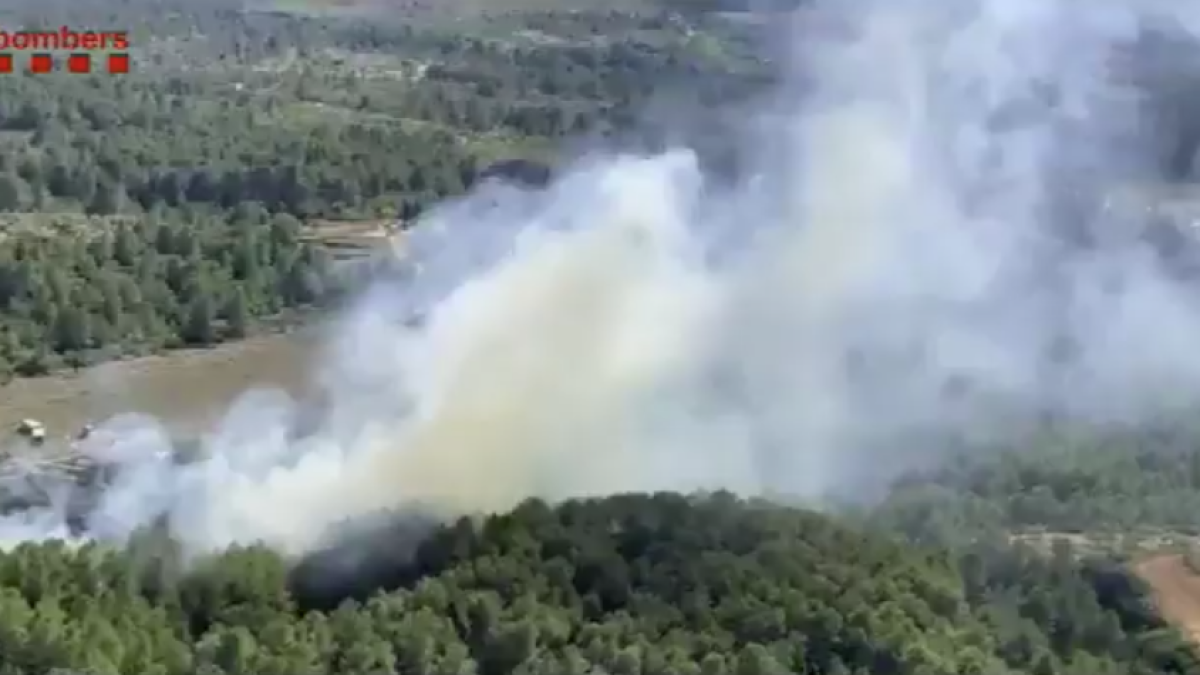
x=352, y=239
x=1176, y=590
x=188, y=389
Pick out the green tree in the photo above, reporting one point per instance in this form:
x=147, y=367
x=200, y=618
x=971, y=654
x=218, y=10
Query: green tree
x=10, y=191
x=237, y=314
x=199, y=328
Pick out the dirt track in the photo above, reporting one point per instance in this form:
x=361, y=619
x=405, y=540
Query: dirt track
x=1176, y=590
x=188, y=389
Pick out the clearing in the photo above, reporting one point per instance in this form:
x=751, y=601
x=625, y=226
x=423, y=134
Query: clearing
x=354, y=240
x=1176, y=590
x=188, y=389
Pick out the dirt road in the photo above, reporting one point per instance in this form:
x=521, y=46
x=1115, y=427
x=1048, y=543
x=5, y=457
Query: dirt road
x=187, y=389
x=1176, y=590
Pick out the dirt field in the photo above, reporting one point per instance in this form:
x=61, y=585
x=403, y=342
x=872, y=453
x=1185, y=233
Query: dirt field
x=187, y=389
x=1176, y=590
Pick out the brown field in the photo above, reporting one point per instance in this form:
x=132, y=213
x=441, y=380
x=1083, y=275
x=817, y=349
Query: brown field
x=1176, y=590
x=187, y=389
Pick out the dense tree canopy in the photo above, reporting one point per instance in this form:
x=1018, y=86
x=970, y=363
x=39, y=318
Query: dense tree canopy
x=163, y=280
x=650, y=584
x=176, y=206
x=1066, y=479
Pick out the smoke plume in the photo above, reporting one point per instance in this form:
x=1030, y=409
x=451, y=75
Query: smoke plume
x=924, y=242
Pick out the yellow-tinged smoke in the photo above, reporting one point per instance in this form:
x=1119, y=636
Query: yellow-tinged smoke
x=891, y=240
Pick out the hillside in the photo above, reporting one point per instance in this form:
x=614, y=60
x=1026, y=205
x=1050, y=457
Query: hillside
x=176, y=207
x=1141, y=480
x=811, y=305
x=650, y=584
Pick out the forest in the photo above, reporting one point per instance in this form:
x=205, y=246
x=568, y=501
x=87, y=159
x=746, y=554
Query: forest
x=169, y=207
x=631, y=584
x=175, y=208
x=1073, y=476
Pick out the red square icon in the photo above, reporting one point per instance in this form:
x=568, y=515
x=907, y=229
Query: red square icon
x=118, y=63
x=79, y=63
x=41, y=63
x=6, y=63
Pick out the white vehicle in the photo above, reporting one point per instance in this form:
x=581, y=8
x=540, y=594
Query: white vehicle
x=34, y=430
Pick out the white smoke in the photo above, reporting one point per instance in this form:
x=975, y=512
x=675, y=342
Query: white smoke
x=895, y=263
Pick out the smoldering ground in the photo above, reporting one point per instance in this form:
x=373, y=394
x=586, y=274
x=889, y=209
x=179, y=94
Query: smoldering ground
x=920, y=246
